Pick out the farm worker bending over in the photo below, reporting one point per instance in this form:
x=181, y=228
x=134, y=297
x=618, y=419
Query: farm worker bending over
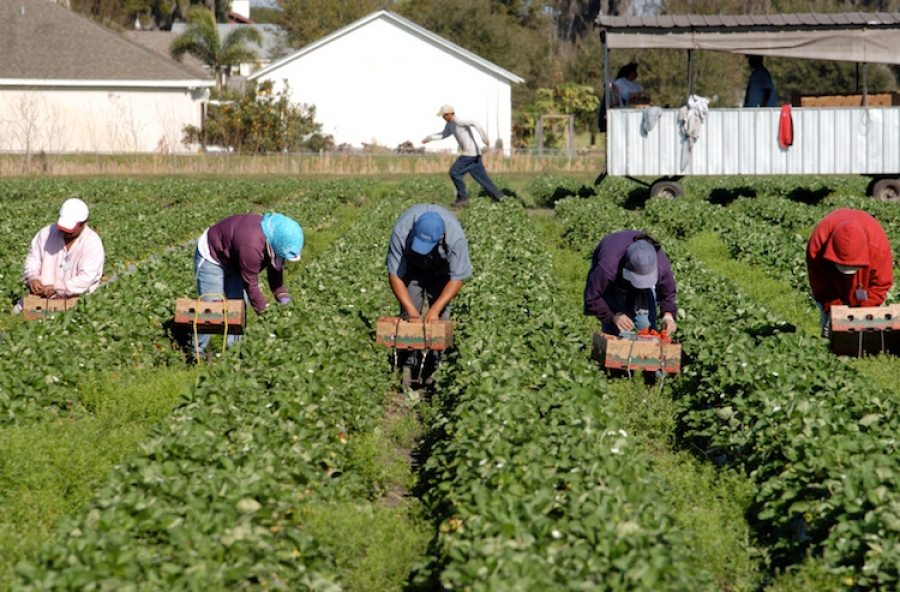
x=630, y=276
x=232, y=253
x=849, y=262
x=428, y=256
x=470, y=159
x=65, y=259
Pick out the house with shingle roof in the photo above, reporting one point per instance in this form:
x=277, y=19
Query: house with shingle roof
x=382, y=79
x=68, y=84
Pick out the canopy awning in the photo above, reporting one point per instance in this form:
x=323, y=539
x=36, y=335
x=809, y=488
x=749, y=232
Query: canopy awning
x=848, y=37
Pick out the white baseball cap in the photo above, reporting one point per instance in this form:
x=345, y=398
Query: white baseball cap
x=445, y=109
x=72, y=213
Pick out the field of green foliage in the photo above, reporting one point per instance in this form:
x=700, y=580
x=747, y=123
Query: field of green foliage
x=294, y=461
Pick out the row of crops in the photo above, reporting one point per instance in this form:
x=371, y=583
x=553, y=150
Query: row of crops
x=262, y=476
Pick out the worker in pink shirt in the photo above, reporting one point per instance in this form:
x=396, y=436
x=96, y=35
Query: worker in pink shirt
x=66, y=259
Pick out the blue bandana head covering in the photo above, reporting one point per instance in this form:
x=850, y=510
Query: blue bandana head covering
x=284, y=235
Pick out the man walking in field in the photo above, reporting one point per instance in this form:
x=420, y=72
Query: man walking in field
x=470, y=159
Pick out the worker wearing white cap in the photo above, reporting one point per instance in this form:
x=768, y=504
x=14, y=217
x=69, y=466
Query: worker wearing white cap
x=470, y=160
x=66, y=259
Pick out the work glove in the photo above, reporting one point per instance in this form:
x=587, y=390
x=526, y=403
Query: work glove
x=283, y=298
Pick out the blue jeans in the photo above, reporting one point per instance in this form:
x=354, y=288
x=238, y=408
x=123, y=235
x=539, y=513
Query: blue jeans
x=213, y=281
x=473, y=166
x=421, y=286
x=639, y=305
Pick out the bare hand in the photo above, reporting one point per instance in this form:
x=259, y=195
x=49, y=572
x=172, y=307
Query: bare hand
x=623, y=322
x=425, y=141
x=432, y=316
x=669, y=325
x=36, y=287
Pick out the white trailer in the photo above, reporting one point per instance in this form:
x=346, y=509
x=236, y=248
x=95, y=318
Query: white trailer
x=826, y=140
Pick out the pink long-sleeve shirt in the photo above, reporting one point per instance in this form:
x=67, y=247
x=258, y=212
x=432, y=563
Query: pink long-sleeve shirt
x=72, y=272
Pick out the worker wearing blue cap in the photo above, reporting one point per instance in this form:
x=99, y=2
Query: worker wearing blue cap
x=428, y=257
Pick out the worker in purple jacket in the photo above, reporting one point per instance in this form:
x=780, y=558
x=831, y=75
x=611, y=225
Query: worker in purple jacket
x=630, y=277
x=232, y=253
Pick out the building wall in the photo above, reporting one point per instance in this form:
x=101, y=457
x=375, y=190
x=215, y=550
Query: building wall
x=382, y=84
x=96, y=120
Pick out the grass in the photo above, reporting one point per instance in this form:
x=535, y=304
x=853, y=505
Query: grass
x=375, y=547
x=779, y=297
x=324, y=166
x=49, y=469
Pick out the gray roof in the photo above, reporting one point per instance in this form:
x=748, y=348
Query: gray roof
x=271, y=34
x=160, y=42
x=41, y=41
x=850, y=36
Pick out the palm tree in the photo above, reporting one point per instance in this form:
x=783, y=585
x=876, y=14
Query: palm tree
x=201, y=40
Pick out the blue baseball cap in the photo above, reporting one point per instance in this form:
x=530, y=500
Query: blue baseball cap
x=428, y=230
x=641, y=265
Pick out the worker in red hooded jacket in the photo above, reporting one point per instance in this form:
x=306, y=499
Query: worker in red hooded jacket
x=849, y=262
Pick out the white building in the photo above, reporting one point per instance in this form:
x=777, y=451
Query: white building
x=381, y=80
x=68, y=84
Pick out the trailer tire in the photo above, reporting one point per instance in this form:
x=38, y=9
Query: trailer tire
x=666, y=189
x=887, y=189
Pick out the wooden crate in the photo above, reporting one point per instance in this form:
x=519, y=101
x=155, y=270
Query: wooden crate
x=644, y=353
x=36, y=307
x=395, y=332
x=856, y=331
x=212, y=317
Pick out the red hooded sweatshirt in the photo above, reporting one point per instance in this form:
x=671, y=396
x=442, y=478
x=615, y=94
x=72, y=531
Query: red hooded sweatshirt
x=855, y=239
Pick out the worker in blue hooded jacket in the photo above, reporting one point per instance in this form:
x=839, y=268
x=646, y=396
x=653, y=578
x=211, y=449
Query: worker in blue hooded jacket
x=232, y=253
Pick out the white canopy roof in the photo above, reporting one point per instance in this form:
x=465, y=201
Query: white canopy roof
x=849, y=37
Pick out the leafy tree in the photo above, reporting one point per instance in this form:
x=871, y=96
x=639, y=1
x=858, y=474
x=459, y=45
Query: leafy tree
x=201, y=39
x=567, y=98
x=306, y=21
x=260, y=120
x=151, y=14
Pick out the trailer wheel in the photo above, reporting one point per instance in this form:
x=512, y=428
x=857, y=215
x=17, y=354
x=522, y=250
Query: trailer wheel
x=887, y=189
x=666, y=189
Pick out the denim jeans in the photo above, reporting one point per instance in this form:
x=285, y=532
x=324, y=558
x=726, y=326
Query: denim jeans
x=421, y=286
x=214, y=281
x=473, y=166
x=639, y=305
x=825, y=320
